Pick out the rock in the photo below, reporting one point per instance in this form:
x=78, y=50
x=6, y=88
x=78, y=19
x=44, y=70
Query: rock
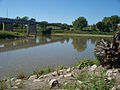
x=53, y=83
x=60, y=77
x=32, y=77
x=61, y=72
x=79, y=82
x=65, y=83
x=109, y=73
x=13, y=79
x=116, y=71
x=110, y=78
x=68, y=70
x=41, y=77
x=18, y=81
x=93, y=67
x=36, y=80
x=54, y=73
x=113, y=88
x=68, y=75
x=118, y=86
x=73, y=68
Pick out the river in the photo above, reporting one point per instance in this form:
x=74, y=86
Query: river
x=26, y=55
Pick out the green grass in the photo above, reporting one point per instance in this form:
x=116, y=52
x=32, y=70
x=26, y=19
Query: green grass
x=90, y=82
x=21, y=76
x=43, y=71
x=3, y=85
x=83, y=32
x=85, y=63
x=6, y=34
x=20, y=30
x=61, y=67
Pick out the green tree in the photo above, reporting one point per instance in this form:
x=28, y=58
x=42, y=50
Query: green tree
x=65, y=26
x=104, y=27
x=100, y=26
x=25, y=18
x=115, y=20
x=80, y=23
x=112, y=22
x=18, y=18
x=32, y=19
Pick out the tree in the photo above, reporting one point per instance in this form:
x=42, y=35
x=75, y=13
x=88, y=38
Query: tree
x=18, y=18
x=100, y=26
x=17, y=24
x=32, y=19
x=112, y=22
x=104, y=27
x=80, y=23
x=25, y=18
x=65, y=26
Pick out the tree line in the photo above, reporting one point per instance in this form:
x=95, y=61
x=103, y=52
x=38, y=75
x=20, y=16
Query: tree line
x=106, y=25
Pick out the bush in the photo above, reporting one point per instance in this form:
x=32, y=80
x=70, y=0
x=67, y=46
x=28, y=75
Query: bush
x=43, y=71
x=86, y=63
x=21, y=76
x=3, y=85
x=61, y=67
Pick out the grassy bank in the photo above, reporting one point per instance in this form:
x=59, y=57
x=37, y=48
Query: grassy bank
x=6, y=34
x=83, y=32
x=89, y=82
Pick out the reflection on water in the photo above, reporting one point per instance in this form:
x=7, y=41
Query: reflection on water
x=27, y=55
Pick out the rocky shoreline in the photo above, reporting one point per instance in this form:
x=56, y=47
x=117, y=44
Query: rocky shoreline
x=65, y=78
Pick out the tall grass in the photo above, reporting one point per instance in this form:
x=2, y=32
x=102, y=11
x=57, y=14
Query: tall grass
x=3, y=85
x=6, y=34
x=43, y=71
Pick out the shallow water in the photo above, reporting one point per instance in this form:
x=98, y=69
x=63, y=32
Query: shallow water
x=26, y=55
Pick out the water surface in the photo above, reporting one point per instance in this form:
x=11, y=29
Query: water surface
x=27, y=55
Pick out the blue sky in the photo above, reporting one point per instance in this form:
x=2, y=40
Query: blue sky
x=64, y=11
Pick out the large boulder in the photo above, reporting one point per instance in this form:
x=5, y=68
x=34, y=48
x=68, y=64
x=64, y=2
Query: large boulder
x=53, y=83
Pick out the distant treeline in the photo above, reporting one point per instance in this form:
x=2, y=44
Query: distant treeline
x=108, y=24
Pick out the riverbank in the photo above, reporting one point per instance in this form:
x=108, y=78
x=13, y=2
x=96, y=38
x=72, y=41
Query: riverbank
x=11, y=35
x=85, y=75
x=72, y=34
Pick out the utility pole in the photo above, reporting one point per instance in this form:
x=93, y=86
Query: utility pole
x=7, y=13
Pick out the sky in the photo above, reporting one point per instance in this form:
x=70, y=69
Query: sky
x=60, y=11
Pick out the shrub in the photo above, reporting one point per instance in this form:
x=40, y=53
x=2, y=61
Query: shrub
x=86, y=63
x=21, y=76
x=43, y=71
x=3, y=85
x=61, y=67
